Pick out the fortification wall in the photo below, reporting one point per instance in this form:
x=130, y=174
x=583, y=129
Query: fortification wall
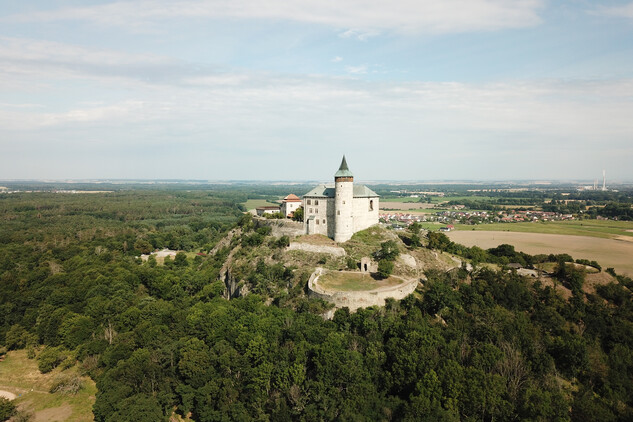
x=355, y=300
x=281, y=227
x=332, y=250
x=365, y=215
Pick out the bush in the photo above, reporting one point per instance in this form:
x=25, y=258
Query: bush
x=385, y=268
x=68, y=384
x=7, y=409
x=49, y=358
x=283, y=242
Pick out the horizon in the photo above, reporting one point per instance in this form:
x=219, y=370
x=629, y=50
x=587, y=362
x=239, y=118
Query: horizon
x=215, y=90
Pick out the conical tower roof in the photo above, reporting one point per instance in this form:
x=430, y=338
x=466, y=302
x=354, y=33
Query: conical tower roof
x=343, y=170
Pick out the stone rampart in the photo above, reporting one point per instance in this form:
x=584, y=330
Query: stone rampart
x=308, y=247
x=359, y=299
x=281, y=227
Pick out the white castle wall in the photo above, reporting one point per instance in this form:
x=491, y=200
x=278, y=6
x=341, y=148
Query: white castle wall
x=364, y=214
x=322, y=212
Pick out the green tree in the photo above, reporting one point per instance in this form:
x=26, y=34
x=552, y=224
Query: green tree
x=298, y=214
x=385, y=268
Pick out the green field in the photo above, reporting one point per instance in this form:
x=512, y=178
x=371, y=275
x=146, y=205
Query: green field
x=413, y=210
x=354, y=282
x=20, y=376
x=595, y=228
x=405, y=199
x=439, y=199
x=251, y=204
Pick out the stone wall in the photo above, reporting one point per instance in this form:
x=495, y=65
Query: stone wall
x=355, y=300
x=282, y=227
x=332, y=250
x=363, y=216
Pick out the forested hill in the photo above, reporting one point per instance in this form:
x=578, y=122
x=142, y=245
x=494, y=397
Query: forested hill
x=161, y=339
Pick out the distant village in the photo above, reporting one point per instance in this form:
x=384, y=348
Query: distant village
x=471, y=217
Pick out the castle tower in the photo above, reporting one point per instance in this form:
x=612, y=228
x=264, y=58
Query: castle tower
x=343, y=203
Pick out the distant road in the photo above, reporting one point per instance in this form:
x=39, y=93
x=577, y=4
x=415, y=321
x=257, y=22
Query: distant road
x=608, y=252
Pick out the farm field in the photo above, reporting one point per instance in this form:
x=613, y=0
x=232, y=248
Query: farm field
x=20, y=376
x=251, y=204
x=400, y=199
x=407, y=206
x=594, y=228
x=608, y=252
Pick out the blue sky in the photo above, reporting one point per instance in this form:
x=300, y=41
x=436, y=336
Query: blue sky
x=279, y=90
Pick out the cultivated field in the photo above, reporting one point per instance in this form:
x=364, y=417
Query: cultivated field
x=398, y=205
x=608, y=252
x=251, y=204
x=607, y=229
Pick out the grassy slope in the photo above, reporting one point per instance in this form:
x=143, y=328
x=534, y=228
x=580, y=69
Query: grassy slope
x=593, y=228
x=20, y=375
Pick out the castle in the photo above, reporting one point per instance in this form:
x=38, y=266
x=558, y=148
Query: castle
x=341, y=209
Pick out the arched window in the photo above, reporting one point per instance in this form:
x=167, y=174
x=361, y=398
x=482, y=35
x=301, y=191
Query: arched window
x=371, y=205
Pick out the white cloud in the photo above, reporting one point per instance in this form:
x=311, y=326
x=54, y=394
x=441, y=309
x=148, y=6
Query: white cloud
x=366, y=17
x=358, y=34
x=356, y=70
x=624, y=11
x=337, y=59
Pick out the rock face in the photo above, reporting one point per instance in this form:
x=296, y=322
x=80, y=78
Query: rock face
x=359, y=299
x=408, y=260
x=234, y=288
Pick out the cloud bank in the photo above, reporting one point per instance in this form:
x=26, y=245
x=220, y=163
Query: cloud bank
x=359, y=16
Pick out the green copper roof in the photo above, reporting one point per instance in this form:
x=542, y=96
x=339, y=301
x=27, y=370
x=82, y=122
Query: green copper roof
x=328, y=191
x=343, y=170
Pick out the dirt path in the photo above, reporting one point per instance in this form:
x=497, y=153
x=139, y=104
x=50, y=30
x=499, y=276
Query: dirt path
x=608, y=252
x=7, y=395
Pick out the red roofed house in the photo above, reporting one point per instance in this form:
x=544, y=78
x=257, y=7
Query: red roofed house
x=290, y=204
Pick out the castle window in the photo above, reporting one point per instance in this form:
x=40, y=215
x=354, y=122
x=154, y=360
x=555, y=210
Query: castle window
x=310, y=210
x=317, y=221
x=316, y=202
x=343, y=202
x=309, y=202
x=371, y=205
x=338, y=213
x=324, y=221
x=316, y=211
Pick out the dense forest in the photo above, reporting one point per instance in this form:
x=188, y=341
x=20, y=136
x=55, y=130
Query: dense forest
x=162, y=339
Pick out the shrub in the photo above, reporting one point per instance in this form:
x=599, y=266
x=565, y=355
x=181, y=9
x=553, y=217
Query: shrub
x=385, y=268
x=68, y=384
x=7, y=409
x=49, y=358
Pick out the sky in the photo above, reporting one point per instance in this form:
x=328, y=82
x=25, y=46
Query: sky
x=281, y=89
